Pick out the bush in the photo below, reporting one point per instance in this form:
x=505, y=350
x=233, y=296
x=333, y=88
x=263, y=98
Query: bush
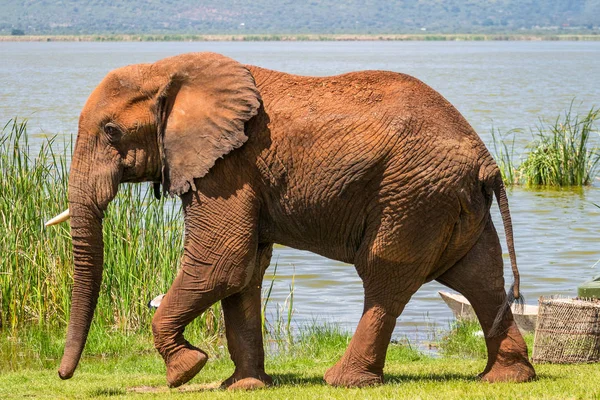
x=561, y=155
x=564, y=154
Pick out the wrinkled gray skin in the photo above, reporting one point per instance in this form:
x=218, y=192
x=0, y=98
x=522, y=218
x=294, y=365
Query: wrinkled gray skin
x=371, y=168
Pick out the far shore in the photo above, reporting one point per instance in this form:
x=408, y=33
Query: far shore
x=298, y=37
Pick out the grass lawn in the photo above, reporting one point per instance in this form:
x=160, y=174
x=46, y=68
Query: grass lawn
x=129, y=368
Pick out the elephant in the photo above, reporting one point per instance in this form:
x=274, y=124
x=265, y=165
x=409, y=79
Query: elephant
x=371, y=168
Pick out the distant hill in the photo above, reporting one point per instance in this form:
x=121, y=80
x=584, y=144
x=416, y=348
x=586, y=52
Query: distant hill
x=298, y=16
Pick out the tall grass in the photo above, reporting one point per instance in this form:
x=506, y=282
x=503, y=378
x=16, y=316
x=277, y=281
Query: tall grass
x=504, y=154
x=35, y=263
x=561, y=155
x=278, y=328
x=564, y=153
x=143, y=244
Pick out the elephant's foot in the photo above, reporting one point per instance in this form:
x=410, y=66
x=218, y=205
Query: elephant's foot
x=247, y=381
x=246, y=384
x=519, y=371
x=510, y=362
x=184, y=365
x=338, y=375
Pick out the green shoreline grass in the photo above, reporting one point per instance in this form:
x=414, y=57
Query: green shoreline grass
x=170, y=37
x=126, y=366
x=301, y=378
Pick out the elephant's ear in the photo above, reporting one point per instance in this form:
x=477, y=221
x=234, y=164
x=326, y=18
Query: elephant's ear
x=201, y=113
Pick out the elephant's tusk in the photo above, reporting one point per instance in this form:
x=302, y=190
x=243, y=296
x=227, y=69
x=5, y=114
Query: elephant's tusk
x=63, y=216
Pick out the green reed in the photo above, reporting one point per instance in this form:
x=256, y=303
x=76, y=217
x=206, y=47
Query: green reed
x=278, y=328
x=143, y=244
x=561, y=155
x=504, y=153
x=564, y=153
x=34, y=262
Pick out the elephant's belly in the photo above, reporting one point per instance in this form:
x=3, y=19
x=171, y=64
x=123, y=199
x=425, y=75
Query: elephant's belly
x=427, y=230
x=333, y=232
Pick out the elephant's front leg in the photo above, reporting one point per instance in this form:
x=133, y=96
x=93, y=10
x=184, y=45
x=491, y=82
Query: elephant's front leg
x=183, y=360
x=218, y=262
x=244, y=331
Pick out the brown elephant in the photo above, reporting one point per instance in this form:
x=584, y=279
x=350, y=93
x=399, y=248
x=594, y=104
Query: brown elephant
x=371, y=168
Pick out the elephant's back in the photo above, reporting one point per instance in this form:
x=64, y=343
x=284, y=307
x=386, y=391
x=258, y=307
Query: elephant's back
x=392, y=98
x=362, y=89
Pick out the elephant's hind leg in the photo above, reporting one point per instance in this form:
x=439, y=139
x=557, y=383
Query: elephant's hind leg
x=479, y=277
x=362, y=363
x=388, y=287
x=244, y=331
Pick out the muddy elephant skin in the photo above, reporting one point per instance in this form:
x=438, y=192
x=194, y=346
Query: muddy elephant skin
x=371, y=168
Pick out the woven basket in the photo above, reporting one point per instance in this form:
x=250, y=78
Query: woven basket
x=567, y=331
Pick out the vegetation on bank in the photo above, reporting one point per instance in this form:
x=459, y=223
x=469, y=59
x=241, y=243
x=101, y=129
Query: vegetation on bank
x=565, y=153
x=171, y=37
x=465, y=340
x=36, y=263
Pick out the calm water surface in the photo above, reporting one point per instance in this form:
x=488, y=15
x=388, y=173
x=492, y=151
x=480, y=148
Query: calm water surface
x=502, y=84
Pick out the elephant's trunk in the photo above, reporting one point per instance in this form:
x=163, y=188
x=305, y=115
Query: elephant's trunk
x=90, y=191
x=88, y=258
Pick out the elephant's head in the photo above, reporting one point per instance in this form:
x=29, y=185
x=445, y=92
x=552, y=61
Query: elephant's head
x=166, y=122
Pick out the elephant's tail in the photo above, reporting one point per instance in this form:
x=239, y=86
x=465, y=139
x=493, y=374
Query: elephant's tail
x=514, y=294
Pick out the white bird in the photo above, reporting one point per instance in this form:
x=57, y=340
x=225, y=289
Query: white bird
x=155, y=302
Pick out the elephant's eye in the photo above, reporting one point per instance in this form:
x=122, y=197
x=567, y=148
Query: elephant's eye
x=112, y=131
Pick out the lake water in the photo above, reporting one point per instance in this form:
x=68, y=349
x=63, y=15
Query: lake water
x=502, y=84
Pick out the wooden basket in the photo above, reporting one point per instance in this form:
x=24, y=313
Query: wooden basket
x=567, y=331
